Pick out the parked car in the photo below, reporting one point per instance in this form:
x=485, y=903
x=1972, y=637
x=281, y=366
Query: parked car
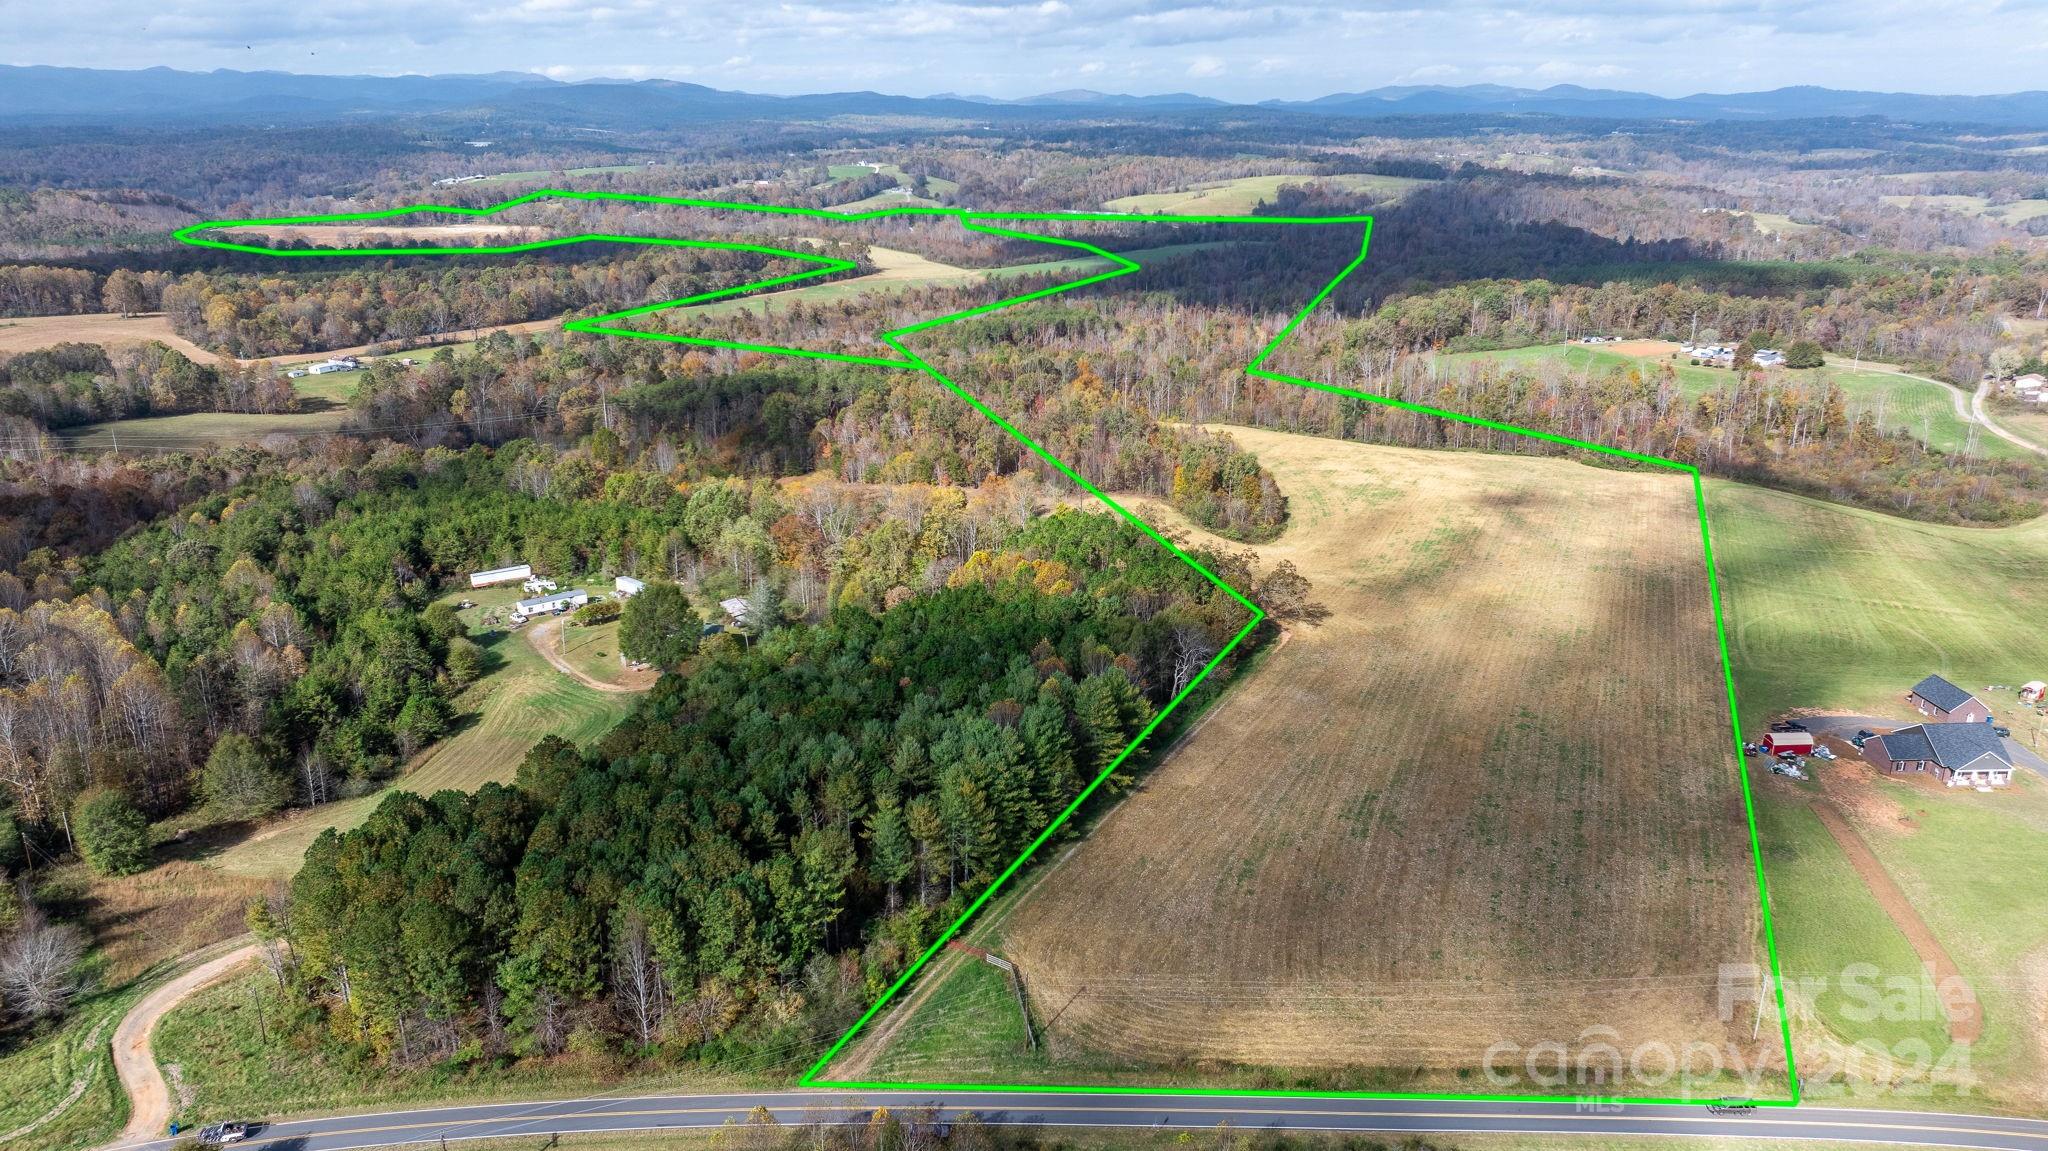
x=2002, y=732
x=222, y=1134
x=1781, y=726
x=1794, y=725
x=1865, y=733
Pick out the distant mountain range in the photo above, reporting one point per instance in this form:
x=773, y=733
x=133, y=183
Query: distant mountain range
x=37, y=93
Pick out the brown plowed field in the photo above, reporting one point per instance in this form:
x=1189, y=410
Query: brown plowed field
x=1491, y=799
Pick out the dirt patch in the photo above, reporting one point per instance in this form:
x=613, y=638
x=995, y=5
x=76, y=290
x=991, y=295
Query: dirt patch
x=1965, y=1015
x=1641, y=347
x=1850, y=784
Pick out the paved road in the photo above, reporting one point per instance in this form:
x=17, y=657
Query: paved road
x=658, y=1112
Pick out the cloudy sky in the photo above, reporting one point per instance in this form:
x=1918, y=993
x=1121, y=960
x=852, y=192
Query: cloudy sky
x=1245, y=51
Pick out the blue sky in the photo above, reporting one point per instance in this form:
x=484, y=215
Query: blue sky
x=1245, y=51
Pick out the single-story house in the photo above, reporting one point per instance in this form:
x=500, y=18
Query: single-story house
x=514, y=574
x=1959, y=754
x=328, y=367
x=1947, y=703
x=736, y=608
x=628, y=587
x=547, y=604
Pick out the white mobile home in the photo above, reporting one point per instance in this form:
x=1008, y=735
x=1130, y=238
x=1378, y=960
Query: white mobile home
x=627, y=586
x=549, y=604
x=514, y=574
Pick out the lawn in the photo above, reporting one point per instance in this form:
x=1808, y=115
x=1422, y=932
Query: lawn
x=1992, y=916
x=1839, y=609
x=1844, y=609
x=198, y=431
x=1923, y=409
x=503, y=714
x=2015, y=212
x=2027, y=421
x=1238, y=197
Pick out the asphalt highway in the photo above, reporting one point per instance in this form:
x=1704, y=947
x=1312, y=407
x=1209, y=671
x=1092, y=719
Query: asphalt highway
x=1086, y=1109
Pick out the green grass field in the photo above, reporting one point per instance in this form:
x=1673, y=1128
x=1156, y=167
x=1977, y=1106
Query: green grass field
x=1238, y=197
x=326, y=401
x=506, y=712
x=63, y=1084
x=841, y=172
x=1843, y=610
x=2027, y=421
x=1923, y=409
x=1835, y=607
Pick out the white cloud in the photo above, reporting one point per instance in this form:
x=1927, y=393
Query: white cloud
x=1205, y=67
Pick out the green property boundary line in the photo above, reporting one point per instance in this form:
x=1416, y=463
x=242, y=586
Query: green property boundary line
x=989, y=223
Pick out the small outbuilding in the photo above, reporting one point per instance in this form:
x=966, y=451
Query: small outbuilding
x=2032, y=691
x=1958, y=754
x=1947, y=703
x=517, y=573
x=1792, y=742
x=628, y=587
x=736, y=608
x=549, y=604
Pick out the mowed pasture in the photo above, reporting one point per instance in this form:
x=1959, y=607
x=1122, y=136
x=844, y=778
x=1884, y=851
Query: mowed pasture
x=1238, y=197
x=1922, y=408
x=522, y=699
x=1839, y=610
x=1491, y=799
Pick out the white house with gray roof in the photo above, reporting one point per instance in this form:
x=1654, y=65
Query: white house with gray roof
x=1958, y=754
x=560, y=601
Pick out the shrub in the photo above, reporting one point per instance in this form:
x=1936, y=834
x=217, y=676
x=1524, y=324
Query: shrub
x=111, y=834
x=598, y=611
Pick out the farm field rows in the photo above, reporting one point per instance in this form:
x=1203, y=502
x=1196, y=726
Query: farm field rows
x=1240, y=196
x=1490, y=799
x=1921, y=408
x=503, y=714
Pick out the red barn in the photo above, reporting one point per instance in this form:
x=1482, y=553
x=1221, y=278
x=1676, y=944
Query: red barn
x=1796, y=742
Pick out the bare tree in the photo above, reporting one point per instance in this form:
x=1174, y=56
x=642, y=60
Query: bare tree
x=39, y=967
x=1192, y=649
x=637, y=984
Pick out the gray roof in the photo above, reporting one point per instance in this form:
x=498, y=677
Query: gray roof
x=558, y=597
x=1941, y=693
x=1952, y=745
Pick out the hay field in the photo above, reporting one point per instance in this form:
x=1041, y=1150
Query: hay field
x=29, y=333
x=1238, y=197
x=1491, y=798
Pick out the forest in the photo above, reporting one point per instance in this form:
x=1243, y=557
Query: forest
x=769, y=839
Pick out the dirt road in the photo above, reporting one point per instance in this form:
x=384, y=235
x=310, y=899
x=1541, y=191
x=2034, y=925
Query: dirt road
x=1965, y=1019
x=546, y=639
x=1983, y=417
x=149, y=1097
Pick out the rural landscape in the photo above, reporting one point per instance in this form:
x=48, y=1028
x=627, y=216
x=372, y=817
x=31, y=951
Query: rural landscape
x=632, y=613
